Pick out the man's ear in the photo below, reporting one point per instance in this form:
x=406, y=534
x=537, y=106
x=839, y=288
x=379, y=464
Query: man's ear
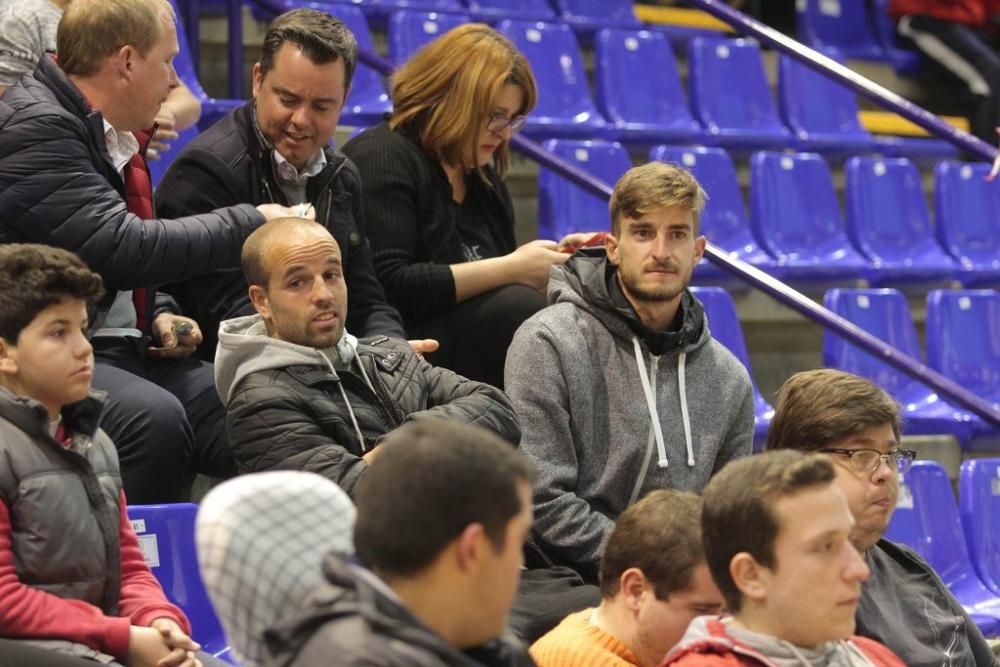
x=8, y=362
x=469, y=547
x=611, y=248
x=257, y=79
x=750, y=577
x=258, y=297
x=632, y=585
x=123, y=62
x=699, y=248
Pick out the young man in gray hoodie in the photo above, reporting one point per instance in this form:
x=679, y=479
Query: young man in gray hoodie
x=618, y=384
x=301, y=393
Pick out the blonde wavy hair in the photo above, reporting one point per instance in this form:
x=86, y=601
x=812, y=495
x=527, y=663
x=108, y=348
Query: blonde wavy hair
x=446, y=91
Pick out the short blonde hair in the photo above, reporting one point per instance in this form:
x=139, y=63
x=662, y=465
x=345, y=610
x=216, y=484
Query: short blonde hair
x=92, y=30
x=655, y=185
x=447, y=90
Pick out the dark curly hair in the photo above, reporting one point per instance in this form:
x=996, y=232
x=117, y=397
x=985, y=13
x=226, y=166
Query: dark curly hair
x=33, y=277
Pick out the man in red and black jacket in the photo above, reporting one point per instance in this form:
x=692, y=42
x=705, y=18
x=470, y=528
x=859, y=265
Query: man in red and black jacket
x=958, y=34
x=72, y=175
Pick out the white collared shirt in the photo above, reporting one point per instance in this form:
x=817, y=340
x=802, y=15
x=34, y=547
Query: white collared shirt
x=121, y=146
x=293, y=181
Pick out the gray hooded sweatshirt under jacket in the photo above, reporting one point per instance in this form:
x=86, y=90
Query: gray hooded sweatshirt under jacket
x=605, y=420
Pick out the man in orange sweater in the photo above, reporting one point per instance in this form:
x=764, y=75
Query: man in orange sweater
x=654, y=580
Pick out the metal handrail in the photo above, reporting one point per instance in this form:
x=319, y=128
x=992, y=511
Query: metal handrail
x=751, y=274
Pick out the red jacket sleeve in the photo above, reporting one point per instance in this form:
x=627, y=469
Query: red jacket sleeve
x=28, y=612
x=142, y=599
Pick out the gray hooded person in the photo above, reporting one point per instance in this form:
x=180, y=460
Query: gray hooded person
x=618, y=384
x=301, y=393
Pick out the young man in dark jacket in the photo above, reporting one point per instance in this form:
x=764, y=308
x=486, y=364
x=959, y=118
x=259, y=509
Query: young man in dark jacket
x=276, y=148
x=441, y=521
x=301, y=392
x=72, y=175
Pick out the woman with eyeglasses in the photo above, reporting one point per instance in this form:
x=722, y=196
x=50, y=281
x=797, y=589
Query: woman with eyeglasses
x=438, y=214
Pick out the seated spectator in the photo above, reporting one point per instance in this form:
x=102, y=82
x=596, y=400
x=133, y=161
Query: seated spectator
x=75, y=587
x=301, y=392
x=72, y=176
x=275, y=148
x=654, y=580
x=904, y=604
x=619, y=385
x=775, y=529
x=440, y=524
x=28, y=32
x=439, y=215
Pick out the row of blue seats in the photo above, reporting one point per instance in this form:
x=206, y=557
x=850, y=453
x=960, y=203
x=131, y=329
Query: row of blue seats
x=796, y=231
x=960, y=540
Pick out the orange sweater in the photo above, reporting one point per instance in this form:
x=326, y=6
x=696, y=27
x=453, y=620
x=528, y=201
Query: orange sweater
x=575, y=642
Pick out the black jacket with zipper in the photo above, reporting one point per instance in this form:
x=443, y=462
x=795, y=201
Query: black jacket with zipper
x=229, y=164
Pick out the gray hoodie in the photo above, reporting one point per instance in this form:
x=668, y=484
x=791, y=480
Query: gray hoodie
x=606, y=420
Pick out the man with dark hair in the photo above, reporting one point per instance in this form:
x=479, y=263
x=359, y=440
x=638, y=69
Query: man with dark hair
x=276, y=148
x=654, y=580
x=904, y=604
x=441, y=523
x=302, y=393
x=619, y=385
x=72, y=175
x=775, y=529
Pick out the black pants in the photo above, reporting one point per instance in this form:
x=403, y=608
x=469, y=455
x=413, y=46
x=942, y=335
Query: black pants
x=165, y=419
x=476, y=333
x=967, y=53
x=546, y=596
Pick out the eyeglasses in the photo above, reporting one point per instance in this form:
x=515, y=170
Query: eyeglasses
x=867, y=461
x=497, y=123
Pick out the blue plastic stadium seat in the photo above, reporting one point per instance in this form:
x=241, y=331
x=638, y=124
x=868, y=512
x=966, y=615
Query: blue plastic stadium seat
x=724, y=323
x=822, y=113
x=887, y=220
x=562, y=206
x=916, y=148
x=963, y=344
x=967, y=216
x=724, y=220
x=846, y=25
x=498, y=10
x=730, y=95
x=166, y=536
x=411, y=30
x=927, y=520
x=979, y=504
x=907, y=61
x=885, y=314
x=796, y=218
x=565, y=108
x=378, y=10
x=651, y=112
x=588, y=16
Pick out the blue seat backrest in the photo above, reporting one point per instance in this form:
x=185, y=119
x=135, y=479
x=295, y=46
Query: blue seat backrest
x=728, y=85
x=368, y=95
x=811, y=102
x=537, y=9
x=723, y=321
x=967, y=208
x=564, y=207
x=843, y=24
x=410, y=30
x=927, y=519
x=724, y=220
x=963, y=338
x=166, y=536
x=886, y=210
x=617, y=11
x=618, y=56
x=555, y=59
x=979, y=504
x=793, y=204
x=885, y=314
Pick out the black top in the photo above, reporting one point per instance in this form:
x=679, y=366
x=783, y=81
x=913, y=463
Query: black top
x=416, y=228
x=228, y=164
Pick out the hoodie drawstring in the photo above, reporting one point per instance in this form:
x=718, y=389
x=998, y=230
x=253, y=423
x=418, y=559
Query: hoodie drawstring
x=682, y=390
x=654, y=415
x=350, y=410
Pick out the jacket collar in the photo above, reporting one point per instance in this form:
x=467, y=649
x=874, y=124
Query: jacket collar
x=82, y=417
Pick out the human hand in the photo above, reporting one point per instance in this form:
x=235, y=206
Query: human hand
x=145, y=647
x=179, y=336
x=425, y=346
x=182, y=648
x=166, y=131
x=277, y=211
x=370, y=456
x=532, y=261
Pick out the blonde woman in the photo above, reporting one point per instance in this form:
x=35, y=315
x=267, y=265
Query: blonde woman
x=439, y=216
